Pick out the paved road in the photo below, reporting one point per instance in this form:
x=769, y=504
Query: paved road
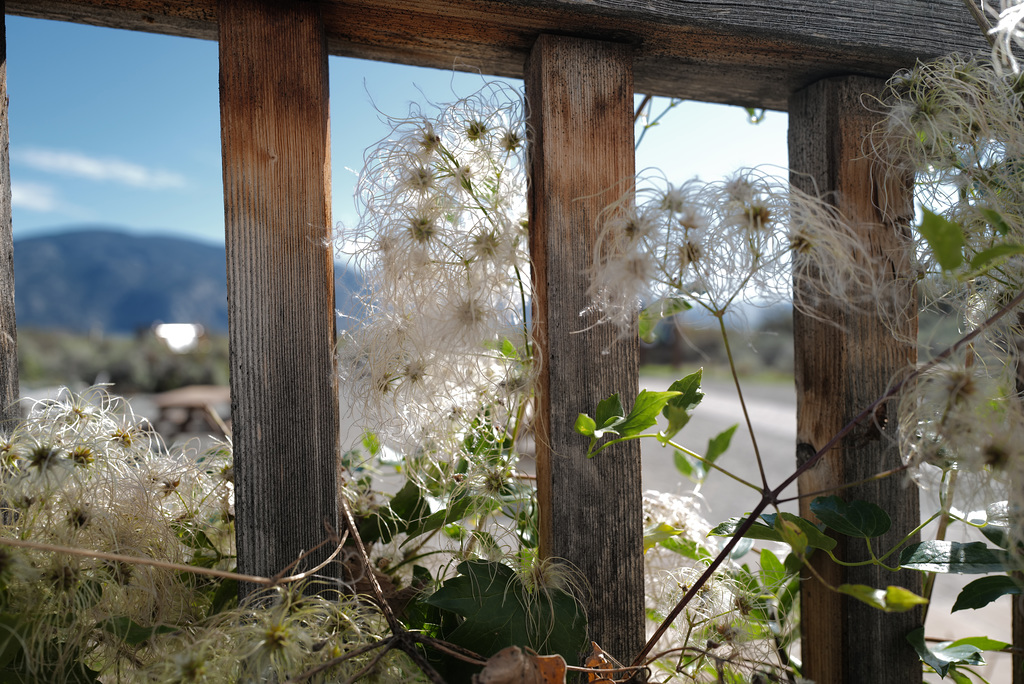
x=772, y=409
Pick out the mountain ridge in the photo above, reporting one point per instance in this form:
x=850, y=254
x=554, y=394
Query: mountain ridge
x=107, y=280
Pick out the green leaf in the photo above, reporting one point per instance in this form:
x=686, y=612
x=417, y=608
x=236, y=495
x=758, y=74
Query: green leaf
x=656, y=534
x=646, y=409
x=815, y=537
x=609, y=411
x=719, y=443
x=371, y=443
x=131, y=632
x=688, y=548
x=457, y=509
x=985, y=257
x=773, y=572
x=982, y=642
x=945, y=238
x=692, y=471
x=891, y=600
x=855, y=519
x=405, y=507
x=941, y=657
x=957, y=676
x=663, y=308
x=585, y=425
x=678, y=408
x=792, y=534
x=508, y=350
x=984, y=591
x=949, y=556
x=225, y=597
x=499, y=611
x=997, y=221
x=11, y=637
x=741, y=549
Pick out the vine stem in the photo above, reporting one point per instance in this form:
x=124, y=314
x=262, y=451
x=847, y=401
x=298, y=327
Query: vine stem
x=743, y=403
x=770, y=497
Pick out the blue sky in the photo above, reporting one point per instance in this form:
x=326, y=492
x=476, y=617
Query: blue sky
x=121, y=129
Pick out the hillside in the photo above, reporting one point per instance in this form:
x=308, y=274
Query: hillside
x=115, y=282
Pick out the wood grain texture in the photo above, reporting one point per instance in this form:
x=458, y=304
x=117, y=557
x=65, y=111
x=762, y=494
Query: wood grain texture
x=8, y=329
x=580, y=97
x=284, y=395
x=842, y=365
x=745, y=52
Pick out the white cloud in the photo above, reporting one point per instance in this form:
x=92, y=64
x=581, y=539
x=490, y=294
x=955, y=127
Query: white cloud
x=94, y=168
x=33, y=196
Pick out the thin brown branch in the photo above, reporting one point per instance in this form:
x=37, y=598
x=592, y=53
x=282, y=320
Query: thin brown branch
x=981, y=20
x=137, y=560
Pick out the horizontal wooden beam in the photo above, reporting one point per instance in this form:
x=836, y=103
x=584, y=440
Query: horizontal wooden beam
x=746, y=52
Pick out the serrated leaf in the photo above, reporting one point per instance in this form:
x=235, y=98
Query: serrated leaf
x=652, y=315
x=942, y=656
x=985, y=257
x=677, y=410
x=609, y=411
x=944, y=237
x=984, y=591
x=815, y=537
x=585, y=425
x=972, y=558
x=718, y=444
x=646, y=409
x=855, y=519
x=891, y=599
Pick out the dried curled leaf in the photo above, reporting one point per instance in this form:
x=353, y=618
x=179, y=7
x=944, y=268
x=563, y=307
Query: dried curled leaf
x=513, y=665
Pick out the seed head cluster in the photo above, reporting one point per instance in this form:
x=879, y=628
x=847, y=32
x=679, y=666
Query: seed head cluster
x=444, y=347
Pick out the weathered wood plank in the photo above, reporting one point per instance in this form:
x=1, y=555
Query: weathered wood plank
x=8, y=330
x=580, y=94
x=284, y=394
x=738, y=51
x=842, y=366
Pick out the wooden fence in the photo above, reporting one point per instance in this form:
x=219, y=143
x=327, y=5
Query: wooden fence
x=581, y=61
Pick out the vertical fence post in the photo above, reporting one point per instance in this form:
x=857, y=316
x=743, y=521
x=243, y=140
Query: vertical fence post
x=842, y=365
x=284, y=398
x=580, y=100
x=8, y=330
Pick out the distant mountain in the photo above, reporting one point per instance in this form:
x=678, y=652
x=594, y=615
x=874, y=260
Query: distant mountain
x=116, y=282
